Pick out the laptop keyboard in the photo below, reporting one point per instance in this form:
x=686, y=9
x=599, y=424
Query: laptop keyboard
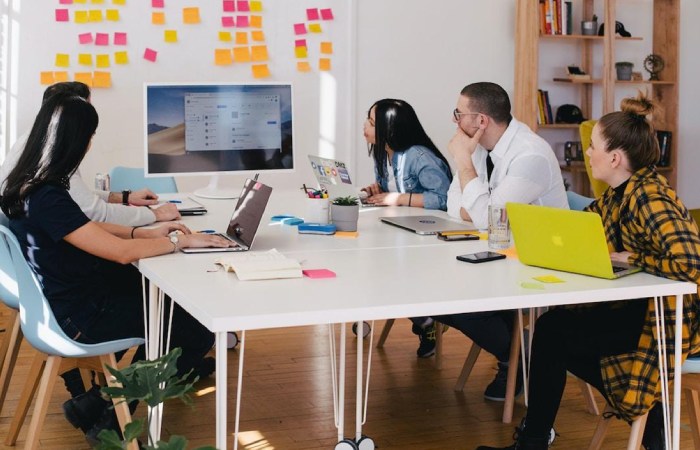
x=618, y=269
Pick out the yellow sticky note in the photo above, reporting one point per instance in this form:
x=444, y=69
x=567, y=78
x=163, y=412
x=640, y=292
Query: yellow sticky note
x=62, y=60
x=190, y=15
x=60, y=77
x=158, y=18
x=170, y=35
x=347, y=234
x=81, y=17
x=255, y=6
x=241, y=54
x=327, y=48
x=84, y=77
x=300, y=52
x=314, y=28
x=324, y=64
x=112, y=15
x=102, y=79
x=222, y=57
x=97, y=2
x=260, y=71
x=241, y=38
x=85, y=59
x=95, y=15
x=79, y=1
x=225, y=36
x=257, y=35
x=103, y=61
x=256, y=21
x=304, y=66
x=259, y=53
x=548, y=279
x=47, y=78
x=119, y=2
x=121, y=57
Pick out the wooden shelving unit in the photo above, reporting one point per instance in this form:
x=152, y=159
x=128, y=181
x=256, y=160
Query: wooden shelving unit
x=665, y=42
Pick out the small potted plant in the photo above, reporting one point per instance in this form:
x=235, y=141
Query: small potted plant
x=624, y=70
x=589, y=27
x=344, y=213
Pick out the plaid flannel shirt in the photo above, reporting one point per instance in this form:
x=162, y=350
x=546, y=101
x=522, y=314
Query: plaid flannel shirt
x=653, y=225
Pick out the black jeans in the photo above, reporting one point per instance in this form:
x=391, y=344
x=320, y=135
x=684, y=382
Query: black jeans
x=574, y=341
x=490, y=330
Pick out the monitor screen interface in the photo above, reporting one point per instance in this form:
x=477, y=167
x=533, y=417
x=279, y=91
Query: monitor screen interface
x=218, y=128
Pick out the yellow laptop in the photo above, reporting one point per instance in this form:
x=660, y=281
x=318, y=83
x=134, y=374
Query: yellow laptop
x=562, y=239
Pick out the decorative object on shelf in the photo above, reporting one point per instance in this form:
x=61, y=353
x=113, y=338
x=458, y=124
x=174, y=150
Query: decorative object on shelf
x=654, y=64
x=624, y=70
x=619, y=29
x=572, y=152
x=569, y=114
x=575, y=73
x=589, y=27
x=637, y=76
x=664, y=138
x=344, y=213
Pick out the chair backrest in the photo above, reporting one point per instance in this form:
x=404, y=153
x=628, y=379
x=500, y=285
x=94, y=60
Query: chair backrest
x=38, y=323
x=577, y=201
x=123, y=178
x=585, y=131
x=9, y=288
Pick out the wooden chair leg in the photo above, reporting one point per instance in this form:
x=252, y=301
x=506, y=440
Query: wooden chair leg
x=25, y=399
x=693, y=400
x=513, y=366
x=10, y=350
x=601, y=429
x=637, y=432
x=120, y=406
x=5, y=343
x=48, y=381
x=587, y=393
x=467, y=367
x=385, y=332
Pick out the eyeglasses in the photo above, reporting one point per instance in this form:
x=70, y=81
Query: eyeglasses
x=458, y=115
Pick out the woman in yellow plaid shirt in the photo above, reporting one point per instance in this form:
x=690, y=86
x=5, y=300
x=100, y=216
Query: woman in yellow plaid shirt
x=611, y=345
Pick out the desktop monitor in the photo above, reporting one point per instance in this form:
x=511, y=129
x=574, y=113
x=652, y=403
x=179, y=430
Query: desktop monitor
x=217, y=128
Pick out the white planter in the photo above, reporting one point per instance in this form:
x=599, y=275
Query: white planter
x=345, y=217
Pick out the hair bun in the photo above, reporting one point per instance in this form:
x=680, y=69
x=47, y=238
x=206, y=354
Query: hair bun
x=640, y=106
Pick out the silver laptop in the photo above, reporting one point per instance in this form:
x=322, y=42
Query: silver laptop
x=427, y=224
x=333, y=176
x=245, y=220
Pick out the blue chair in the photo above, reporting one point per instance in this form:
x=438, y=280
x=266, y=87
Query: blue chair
x=58, y=353
x=123, y=178
x=12, y=338
x=577, y=201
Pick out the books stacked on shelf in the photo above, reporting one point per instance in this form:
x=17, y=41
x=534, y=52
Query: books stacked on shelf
x=544, y=108
x=664, y=138
x=556, y=17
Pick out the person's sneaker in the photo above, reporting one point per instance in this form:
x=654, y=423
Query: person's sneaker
x=496, y=390
x=85, y=409
x=653, y=438
x=106, y=421
x=426, y=348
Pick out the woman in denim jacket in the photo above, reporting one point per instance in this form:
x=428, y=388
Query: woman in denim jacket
x=409, y=169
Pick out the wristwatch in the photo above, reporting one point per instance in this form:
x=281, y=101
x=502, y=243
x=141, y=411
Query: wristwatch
x=176, y=242
x=125, y=196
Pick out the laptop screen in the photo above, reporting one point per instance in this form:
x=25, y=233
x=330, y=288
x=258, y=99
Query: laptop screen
x=249, y=210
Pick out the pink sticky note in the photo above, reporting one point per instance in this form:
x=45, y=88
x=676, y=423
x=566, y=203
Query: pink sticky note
x=242, y=5
x=229, y=5
x=300, y=43
x=318, y=273
x=227, y=21
x=299, y=28
x=327, y=14
x=150, y=55
x=102, y=39
x=119, y=38
x=85, y=38
x=312, y=14
x=242, y=21
x=62, y=15
x=157, y=3
x=66, y=2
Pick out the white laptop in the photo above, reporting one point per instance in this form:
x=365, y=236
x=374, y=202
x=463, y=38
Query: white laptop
x=427, y=224
x=245, y=220
x=333, y=176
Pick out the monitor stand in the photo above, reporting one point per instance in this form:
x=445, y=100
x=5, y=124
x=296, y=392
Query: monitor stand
x=214, y=191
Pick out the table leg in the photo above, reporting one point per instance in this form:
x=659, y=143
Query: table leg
x=677, y=377
x=152, y=336
x=221, y=387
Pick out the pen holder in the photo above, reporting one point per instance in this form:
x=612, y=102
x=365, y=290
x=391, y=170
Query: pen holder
x=317, y=210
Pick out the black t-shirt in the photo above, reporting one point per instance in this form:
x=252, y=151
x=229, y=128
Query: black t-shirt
x=68, y=275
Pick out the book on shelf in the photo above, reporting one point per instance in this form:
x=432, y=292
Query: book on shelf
x=664, y=138
x=548, y=107
x=555, y=17
x=544, y=107
x=540, y=108
x=268, y=265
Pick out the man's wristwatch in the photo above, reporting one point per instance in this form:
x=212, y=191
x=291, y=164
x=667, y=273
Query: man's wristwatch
x=125, y=196
x=176, y=242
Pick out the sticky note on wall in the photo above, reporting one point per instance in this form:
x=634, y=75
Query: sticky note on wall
x=190, y=15
x=85, y=59
x=158, y=18
x=150, y=55
x=229, y=6
x=260, y=71
x=241, y=54
x=222, y=57
x=324, y=64
x=121, y=57
x=102, y=79
x=84, y=77
x=170, y=36
x=62, y=60
x=258, y=36
x=46, y=78
x=259, y=53
x=62, y=16
x=102, y=61
x=327, y=48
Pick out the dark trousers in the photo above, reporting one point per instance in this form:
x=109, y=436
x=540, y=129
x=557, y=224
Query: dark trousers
x=574, y=341
x=489, y=330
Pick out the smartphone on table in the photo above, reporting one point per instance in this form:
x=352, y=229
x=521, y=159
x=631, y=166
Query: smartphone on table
x=480, y=257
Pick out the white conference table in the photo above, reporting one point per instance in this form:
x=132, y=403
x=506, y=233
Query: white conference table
x=385, y=273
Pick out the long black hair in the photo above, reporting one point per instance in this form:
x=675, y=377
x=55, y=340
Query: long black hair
x=57, y=144
x=396, y=125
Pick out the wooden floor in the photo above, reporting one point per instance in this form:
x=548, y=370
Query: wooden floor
x=287, y=401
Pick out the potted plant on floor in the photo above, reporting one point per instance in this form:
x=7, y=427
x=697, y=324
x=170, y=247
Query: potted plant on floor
x=344, y=213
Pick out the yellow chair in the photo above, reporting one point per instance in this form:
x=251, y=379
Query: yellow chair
x=585, y=130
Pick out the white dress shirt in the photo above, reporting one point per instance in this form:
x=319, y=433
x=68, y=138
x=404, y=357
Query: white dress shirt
x=525, y=171
x=93, y=203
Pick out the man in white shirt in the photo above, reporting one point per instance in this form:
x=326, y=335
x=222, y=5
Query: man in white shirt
x=100, y=206
x=498, y=160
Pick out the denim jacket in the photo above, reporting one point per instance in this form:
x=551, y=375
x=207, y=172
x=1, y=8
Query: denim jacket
x=419, y=171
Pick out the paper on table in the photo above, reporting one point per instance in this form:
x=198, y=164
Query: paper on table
x=267, y=265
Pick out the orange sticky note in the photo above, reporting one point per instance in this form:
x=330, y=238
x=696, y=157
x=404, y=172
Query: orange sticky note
x=324, y=64
x=112, y=15
x=170, y=35
x=102, y=79
x=121, y=57
x=241, y=54
x=81, y=17
x=303, y=66
x=259, y=53
x=257, y=35
x=314, y=28
x=85, y=59
x=225, y=36
x=256, y=6
x=62, y=60
x=190, y=15
x=260, y=71
x=46, y=78
x=256, y=21
x=84, y=77
x=102, y=61
x=242, y=38
x=223, y=57
x=60, y=77
x=158, y=18
x=327, y=48
x=95, y=15
x=301, y=52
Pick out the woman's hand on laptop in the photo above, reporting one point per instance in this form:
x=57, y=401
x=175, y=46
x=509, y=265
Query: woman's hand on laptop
x=201, y=240
x=143, y=197
x=161, y=230
x=372, y=189
x=620, y=256
x=166, y=212
x=385, y=198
